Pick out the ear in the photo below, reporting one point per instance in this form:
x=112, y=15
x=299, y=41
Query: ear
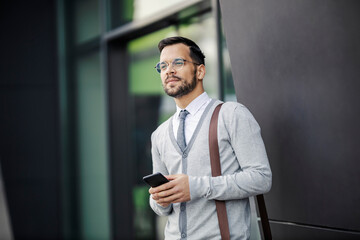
x=200, y=74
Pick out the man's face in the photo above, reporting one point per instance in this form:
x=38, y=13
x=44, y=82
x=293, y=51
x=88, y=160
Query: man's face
x=177, y=83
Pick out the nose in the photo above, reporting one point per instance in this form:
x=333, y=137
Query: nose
x=170, y=69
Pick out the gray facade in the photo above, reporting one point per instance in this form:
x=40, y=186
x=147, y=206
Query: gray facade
x=296, y=64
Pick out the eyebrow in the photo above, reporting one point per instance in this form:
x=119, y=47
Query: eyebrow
x=173, y=59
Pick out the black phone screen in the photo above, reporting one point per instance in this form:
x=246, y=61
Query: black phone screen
x=155, y=179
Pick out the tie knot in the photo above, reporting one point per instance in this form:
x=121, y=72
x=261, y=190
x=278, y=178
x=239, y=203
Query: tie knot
x=183, y=114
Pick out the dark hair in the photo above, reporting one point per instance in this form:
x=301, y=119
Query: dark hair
x=195, y=52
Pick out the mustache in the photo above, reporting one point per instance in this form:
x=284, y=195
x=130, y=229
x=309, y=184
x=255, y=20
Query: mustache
x=172, y=76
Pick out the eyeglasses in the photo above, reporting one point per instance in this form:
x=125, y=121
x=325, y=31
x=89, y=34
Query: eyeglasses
x=177, y=64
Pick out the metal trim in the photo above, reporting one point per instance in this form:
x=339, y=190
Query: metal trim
x=159, y=20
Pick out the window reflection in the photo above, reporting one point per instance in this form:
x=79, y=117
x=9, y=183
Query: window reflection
x=92, y=155
x=201, y=29
x=87, y=20
x=145, y=8
x=124, y=11
x=228, y=83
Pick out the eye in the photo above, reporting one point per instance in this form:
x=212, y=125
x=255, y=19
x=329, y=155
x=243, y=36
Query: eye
x=178, y=62
x=163, y=66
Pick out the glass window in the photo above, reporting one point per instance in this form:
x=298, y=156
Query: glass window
x=124, y=11
x=144, y=55
x=227, y=81
x=146, y=8
x=201, y=29
x=91, y=149
x=87, y=20
x=119, y=13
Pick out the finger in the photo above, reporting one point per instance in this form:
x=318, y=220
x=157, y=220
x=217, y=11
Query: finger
x=165, y=205
x=170, y=199
x=155, y=197
x=174, y=195
x=163, y=187
x=164, y=194
x=179, y=198
x=168, y=192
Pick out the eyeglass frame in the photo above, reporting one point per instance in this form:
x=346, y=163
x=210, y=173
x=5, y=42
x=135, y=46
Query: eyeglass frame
x=172, y=64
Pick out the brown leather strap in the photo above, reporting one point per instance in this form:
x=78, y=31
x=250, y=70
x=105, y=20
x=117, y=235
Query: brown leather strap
x=264, y=217
x=213, y=143
x=216, y=171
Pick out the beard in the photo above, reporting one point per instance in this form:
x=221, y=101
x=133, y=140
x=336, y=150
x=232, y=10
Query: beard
x=181, y=90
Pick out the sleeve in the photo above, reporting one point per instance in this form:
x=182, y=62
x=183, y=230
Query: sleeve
x=158, y=166
x=255, y=175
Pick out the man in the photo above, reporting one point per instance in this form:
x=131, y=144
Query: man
x=188, y=199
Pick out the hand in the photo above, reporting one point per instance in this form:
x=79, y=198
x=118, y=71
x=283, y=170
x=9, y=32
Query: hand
x=175, y=191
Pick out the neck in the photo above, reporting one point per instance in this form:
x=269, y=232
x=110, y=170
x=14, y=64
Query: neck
x=185, y=100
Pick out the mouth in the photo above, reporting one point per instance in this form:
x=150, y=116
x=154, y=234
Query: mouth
x=172, y=79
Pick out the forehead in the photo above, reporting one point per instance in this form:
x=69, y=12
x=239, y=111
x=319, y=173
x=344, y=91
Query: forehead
x=173, y=51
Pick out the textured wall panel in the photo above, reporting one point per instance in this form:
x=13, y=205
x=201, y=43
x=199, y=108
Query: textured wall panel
x=296, y=66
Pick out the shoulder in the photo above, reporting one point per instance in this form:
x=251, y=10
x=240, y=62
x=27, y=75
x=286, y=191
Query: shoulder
x=234, y=113
x=232, y=105
x=231, y=108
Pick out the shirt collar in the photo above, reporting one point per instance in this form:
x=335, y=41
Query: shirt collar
x=195, y=105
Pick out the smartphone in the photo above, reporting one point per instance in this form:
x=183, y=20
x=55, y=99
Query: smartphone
x=155, y=179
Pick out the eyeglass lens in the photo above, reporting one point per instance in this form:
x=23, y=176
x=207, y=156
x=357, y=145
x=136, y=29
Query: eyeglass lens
x=177, y=64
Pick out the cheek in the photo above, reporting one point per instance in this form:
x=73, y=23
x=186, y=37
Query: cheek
x=190, y=76
x=162, y=77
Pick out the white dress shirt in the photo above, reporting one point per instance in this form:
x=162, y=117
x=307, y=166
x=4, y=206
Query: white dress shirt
x=195, y=109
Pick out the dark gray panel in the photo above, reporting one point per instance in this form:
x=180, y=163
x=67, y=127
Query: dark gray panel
x=29, y=112
x=28, y=42
x=121, y=169
x=296, y=232
x=296, y=66
x=28, y=132
x=30, y=161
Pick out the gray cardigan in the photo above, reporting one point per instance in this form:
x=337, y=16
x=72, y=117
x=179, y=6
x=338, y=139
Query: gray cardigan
x=245, y=169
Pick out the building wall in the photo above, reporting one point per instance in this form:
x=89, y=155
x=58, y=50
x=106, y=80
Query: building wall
x=29, y=117
x=296, y=66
